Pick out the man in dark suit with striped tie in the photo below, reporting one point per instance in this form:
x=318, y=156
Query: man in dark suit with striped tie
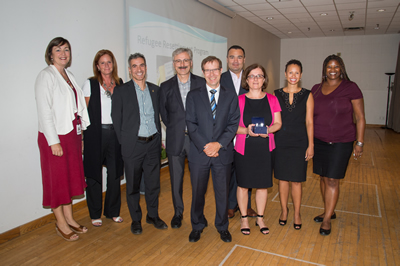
x=212, y=119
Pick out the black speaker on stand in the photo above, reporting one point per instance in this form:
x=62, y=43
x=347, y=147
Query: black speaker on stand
x=388, y=98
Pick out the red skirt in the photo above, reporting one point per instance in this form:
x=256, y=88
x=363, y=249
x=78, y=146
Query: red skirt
x=62, y=177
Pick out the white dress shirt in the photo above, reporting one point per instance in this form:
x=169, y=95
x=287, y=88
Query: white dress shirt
x=105, y=102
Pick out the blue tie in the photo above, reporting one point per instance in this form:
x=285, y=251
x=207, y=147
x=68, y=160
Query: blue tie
x=213, y=104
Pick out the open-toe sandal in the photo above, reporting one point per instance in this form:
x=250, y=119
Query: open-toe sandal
x=79, y=230
x=264, y=230
x=283, y=222
x=97, y=222
x=245, y=231
x=67, y=237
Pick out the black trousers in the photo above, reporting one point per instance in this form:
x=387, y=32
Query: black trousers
x=94, y=190
x=199, y=175
x=144, y=159
x=176, y=170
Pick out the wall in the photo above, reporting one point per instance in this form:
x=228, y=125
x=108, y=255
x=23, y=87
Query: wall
x=367, y=59
x=27, y=26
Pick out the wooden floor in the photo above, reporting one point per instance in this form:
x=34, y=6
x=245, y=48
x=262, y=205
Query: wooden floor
x=366, y=231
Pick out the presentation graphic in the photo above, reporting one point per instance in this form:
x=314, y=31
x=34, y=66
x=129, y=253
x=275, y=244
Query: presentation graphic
x=157, y=37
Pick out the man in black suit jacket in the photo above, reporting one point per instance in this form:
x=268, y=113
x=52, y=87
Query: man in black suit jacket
x=135, y=114
x=211, y=146
x=172, y=109
x=231, y=79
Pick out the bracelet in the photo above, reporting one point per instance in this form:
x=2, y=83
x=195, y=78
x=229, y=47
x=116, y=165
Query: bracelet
x=358, y=143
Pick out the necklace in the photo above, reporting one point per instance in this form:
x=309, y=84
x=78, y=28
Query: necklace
x=107, y=88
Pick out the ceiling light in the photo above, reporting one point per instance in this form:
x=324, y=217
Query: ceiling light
x=377, y=27
x=289, y=32
x=323, y=14
x=331, y=30
x=381, y=10
x=351, y=15
x=270, y=17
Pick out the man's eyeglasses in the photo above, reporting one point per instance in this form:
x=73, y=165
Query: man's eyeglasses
x=208, y=71
x=179, y=61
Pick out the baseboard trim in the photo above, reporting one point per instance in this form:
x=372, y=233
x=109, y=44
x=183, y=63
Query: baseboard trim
x=49, y=218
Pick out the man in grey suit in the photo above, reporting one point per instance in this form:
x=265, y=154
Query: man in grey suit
x=231, y=79
x=212, y=119
x=135, y=114
x=172, y=109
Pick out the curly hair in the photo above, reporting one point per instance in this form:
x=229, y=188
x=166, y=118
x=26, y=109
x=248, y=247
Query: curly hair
x=294, y=62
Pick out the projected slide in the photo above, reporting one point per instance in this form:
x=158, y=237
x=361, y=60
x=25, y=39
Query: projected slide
x=157, y=37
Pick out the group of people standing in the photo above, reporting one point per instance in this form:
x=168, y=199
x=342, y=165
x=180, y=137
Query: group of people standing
x=209, y=120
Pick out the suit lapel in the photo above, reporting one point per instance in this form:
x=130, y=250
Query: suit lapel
x=206, y=101
x=221, y=104
x=176, y=91
x=154, y=99
x=132, y=91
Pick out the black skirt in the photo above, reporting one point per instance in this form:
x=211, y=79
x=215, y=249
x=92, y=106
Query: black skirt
x=331, y=159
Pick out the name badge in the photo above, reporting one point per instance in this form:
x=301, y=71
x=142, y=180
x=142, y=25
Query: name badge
x=78, y=129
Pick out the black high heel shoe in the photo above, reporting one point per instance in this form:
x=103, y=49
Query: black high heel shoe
x=319, y=219
x=264, y=230
x=245, y=231
x=297, y=226
x=283, y=222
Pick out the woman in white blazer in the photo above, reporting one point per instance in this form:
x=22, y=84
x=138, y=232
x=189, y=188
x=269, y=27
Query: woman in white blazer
x=62, y=115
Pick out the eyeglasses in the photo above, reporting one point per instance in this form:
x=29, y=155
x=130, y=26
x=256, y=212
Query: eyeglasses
x=259, y=76
x=179, y=61
x=208, y=71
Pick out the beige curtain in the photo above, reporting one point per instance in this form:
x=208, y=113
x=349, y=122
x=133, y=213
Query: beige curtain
x=394, y=111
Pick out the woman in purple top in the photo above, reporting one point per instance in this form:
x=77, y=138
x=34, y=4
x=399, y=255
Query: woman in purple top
x=336, y=100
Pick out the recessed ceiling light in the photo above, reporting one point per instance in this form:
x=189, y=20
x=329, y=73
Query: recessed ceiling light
x=323, y=14
x=331, y=30
x=289, y=32
x=270, y=17
x=381, y=10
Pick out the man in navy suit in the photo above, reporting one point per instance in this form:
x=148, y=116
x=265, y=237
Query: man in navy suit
x=172, y=109
x=212, y=119
x=136, y=119
x=232, y=79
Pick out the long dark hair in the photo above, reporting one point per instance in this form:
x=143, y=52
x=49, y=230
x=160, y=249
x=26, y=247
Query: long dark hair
x=343, y=73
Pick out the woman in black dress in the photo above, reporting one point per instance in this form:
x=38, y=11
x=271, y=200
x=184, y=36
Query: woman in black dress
x=253, y=159
x=295, y=140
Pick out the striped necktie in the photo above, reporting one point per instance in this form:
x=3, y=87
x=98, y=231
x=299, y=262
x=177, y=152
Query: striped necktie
x=213, y=104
